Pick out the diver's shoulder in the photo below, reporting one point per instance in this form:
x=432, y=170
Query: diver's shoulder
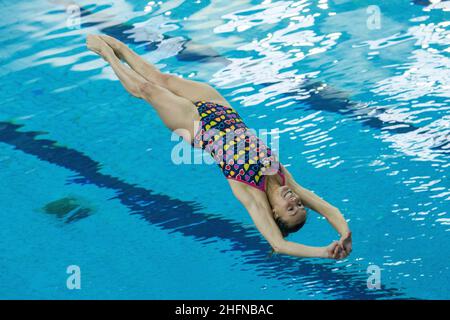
x=244, y=192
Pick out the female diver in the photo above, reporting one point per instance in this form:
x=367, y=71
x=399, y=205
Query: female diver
x=275, y=202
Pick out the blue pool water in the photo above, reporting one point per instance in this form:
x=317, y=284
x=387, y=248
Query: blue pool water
x=360, y=96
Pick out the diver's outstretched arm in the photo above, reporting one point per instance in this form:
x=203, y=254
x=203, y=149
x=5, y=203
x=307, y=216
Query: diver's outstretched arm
x=330, y=212
x=314, y=202
x=261, y=216
x=258, y=207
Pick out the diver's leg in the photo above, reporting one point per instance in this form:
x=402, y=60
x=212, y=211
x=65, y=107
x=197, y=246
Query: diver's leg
x=137, y=63
x=176, y=112
x=191, y=90
x=129, y=78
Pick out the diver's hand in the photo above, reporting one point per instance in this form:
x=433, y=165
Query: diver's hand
x=346, y=243
x=334, y=251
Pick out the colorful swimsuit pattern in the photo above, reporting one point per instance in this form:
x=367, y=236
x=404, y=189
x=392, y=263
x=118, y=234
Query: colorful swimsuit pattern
x=240, y=154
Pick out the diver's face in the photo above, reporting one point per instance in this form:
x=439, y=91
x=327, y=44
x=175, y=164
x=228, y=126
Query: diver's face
x=288, y=206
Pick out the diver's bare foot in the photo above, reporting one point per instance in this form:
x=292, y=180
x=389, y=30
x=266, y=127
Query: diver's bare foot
x=97, y=45
x=94, y=43
x=116, y=45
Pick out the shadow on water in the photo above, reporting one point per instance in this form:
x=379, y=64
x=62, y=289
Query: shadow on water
x=187, y=219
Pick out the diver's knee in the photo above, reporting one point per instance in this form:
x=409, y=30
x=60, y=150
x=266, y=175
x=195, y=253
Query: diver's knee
x=166, y=79
x=148, y=88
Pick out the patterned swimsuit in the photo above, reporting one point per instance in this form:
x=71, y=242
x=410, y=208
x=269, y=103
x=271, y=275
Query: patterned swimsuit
x=240, y=154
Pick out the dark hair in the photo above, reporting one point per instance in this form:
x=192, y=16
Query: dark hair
x=285, y=229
